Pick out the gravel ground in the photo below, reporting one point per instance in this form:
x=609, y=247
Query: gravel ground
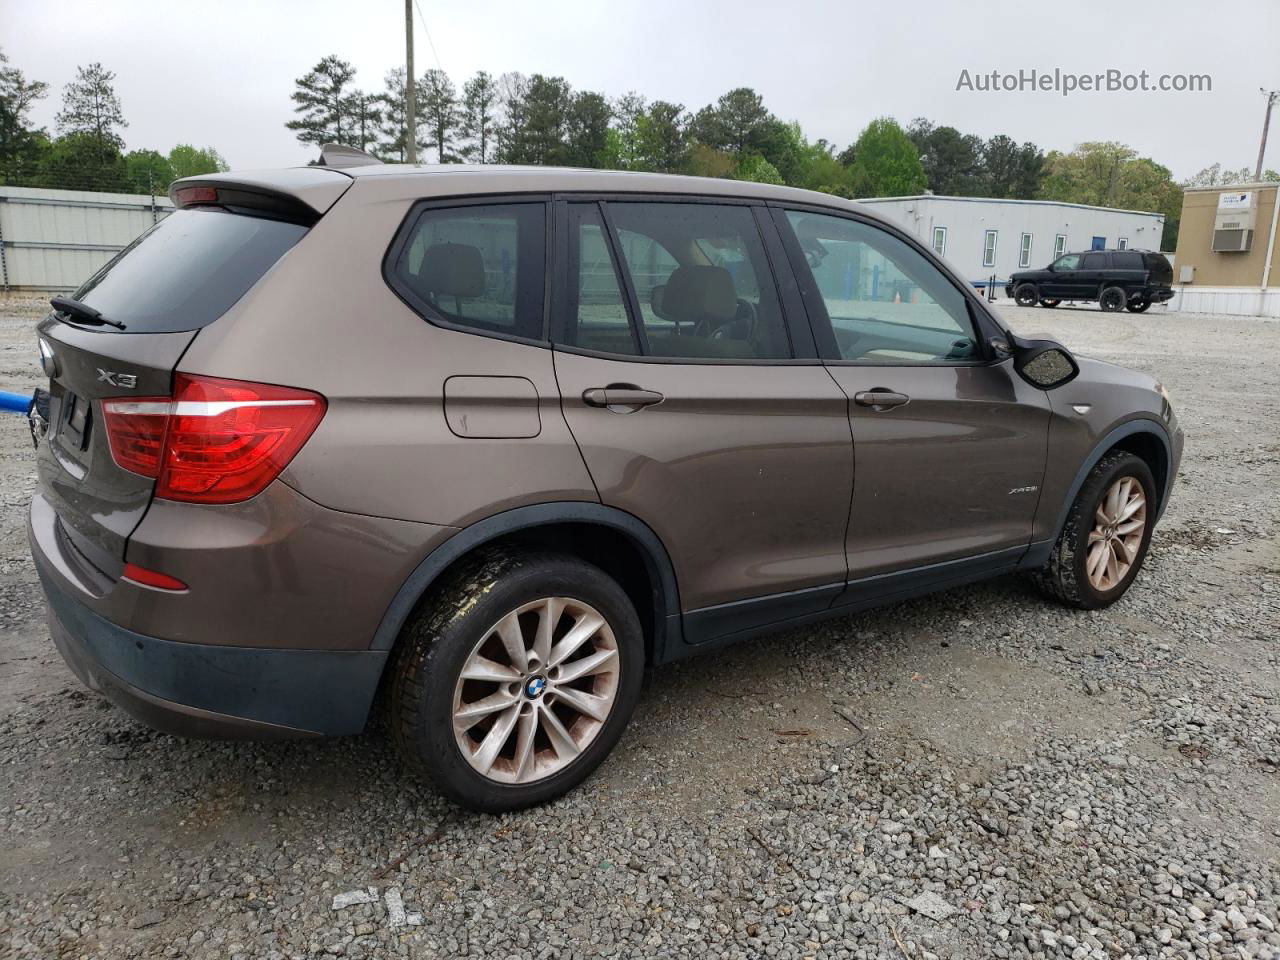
x=976, y=774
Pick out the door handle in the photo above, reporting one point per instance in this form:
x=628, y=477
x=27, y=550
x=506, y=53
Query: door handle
x=621, y=397
x=880, y=399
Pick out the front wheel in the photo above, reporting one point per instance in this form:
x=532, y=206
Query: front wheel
x=1025, y=295
x=1105, y=538
x=517, y=680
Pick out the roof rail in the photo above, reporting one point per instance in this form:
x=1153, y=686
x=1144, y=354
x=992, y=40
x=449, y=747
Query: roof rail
x=338, y=155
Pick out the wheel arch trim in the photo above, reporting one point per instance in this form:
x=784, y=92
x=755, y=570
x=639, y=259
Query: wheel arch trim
x=1100, y=449
x=657, y=562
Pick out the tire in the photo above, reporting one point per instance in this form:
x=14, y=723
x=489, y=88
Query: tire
x=1025, y=295
x=1049, y=303
x=1112, y=299
x=1065, y=577
x=460, y=621
x=1138, y=306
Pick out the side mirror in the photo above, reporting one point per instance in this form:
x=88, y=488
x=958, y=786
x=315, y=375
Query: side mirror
x=1043, y=363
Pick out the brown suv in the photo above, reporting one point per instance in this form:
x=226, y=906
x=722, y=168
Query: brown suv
x=490, y=440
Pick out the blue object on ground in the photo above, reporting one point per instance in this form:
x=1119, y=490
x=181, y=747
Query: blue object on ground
x=14, y=402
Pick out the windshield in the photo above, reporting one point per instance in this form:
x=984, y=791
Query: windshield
x=187, y=270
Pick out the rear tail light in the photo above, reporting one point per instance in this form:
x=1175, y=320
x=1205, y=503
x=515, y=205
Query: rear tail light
x=213, y=441
x=152, y=578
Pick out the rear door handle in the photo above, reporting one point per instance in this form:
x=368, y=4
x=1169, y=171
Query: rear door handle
x=880, y=399
x=620, y=398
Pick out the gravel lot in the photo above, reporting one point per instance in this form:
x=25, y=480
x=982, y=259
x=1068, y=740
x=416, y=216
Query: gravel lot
x=977, y=774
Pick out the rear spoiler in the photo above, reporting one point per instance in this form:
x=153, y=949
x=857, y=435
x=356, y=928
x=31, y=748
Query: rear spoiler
x=301, y=194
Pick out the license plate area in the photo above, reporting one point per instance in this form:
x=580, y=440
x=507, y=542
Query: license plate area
x=75, y=422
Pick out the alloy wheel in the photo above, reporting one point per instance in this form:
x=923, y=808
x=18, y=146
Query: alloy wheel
x=1118, y=526
x=536, y=690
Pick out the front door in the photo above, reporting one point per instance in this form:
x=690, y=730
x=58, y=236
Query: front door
x=1058, y=282
x=694, y=409
x=949, y=445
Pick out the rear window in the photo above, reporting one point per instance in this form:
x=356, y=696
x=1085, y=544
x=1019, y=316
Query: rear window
x=1160, y=267
x=187, y=270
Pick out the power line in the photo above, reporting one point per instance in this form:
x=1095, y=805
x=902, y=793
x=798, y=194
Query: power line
x=430, y=43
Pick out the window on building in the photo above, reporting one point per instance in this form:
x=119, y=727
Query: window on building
x=1122, y=243
x=940, y=241
x=989, y=249
x=1024, y=251
x=1059, y=245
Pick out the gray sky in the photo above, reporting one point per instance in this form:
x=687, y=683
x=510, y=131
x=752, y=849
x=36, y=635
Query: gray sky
x=220, y=74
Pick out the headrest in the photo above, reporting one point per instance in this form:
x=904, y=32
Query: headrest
x=699, y=293
x=451, y=270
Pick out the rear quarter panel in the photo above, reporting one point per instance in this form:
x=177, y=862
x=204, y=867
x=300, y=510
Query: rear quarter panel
x=325, y=319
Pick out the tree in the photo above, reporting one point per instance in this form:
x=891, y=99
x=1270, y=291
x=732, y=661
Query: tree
x=819, y=169
x=80, y=161
x=546, y=118
x=513, y=94
x=952, y=161
x=628, y=110
x=88, y=122
x=148, y=172
x=438, y=105
x=321, y=101
x=705, y=161
x=393, y=125
x=886, y=162
x=189, y=161
x=479, y=118
x=1216, y=176
x=365, y=113
x=587, y=130
x=1010, y=170
x=661, y=141
x=736, y=124
x=20, y=144
x=756, y=168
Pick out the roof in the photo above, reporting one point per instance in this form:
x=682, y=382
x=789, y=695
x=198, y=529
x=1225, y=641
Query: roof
x=1039, y=203
x=1233, y=187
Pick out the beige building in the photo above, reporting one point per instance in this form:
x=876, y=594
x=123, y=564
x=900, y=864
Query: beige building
x=1228, y=260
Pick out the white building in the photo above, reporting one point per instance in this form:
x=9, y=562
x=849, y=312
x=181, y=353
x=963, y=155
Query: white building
x=981, y=236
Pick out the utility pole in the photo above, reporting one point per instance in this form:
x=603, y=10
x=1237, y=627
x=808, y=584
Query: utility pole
x=410, y=90
x=1272, y=96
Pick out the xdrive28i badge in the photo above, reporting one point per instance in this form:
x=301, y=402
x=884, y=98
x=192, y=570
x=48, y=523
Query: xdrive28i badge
x=126, y=381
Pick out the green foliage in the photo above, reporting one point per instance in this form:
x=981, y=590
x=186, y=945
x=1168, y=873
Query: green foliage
x=189, y=161
x=392, y=142
x=587, y=130
x=1216, y=176
x=662, y=142
x=478, y=118
x=758, y=170
x=148, y=171
x=91, y=108
x=886, y=162
x=365, y=113
x=439, y=111
x=20, y=143
x=321, y=101
x=81, y=161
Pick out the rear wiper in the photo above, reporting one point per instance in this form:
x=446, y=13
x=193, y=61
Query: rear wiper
x=83, y=312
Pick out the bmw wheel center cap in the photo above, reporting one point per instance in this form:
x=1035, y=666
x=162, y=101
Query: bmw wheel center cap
x=534, y=686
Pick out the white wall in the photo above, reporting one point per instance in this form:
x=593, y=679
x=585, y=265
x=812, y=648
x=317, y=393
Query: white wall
x=56, y=239
x=967, y=220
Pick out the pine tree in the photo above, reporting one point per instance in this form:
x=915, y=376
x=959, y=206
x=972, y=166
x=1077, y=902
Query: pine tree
x=364, y=111
x=479, y=118
x=321, y=100
x=438, y=104
x=90, y=107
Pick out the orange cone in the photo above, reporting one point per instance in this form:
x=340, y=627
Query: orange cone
x=897, y=298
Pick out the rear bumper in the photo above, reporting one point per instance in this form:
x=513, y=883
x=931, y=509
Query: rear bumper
x=1161, y=295
x=208, y=690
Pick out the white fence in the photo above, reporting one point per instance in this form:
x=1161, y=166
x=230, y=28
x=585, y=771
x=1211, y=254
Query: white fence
x=56, y=239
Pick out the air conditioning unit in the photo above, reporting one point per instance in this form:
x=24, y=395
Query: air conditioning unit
x=1233, y=226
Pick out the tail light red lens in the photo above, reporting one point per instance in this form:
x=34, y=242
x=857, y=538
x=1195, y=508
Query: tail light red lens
x=152, y=578
x=213, y=441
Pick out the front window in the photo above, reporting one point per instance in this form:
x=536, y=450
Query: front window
x=989, y=249
x=885, y=301
x=1024, y=251
x=1070, y=262
x=940, y=241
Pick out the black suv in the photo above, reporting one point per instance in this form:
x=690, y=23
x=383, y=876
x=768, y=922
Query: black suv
x=1114, y=278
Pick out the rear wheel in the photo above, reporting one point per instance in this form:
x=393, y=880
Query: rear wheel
x=1049, y=303
x=1104, y=541
x=1112, y=299
x=517, y=680
x=1025, y=295
x=1139, y=306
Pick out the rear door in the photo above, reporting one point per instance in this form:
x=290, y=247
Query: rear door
x=698, y=408
x=1086, y=283
x=179, y=276
x=949, y=444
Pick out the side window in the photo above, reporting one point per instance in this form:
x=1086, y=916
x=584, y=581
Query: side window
x=1070, y=262
x=1127, y=261
x=989, y=248
x=1024, y=251
x=702, y=281
x=886, y=302
x=597, y=307
x=940, y=241
x=1094, y=261
x=1122, y=243
x=1059, y=245
x=481, y=267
